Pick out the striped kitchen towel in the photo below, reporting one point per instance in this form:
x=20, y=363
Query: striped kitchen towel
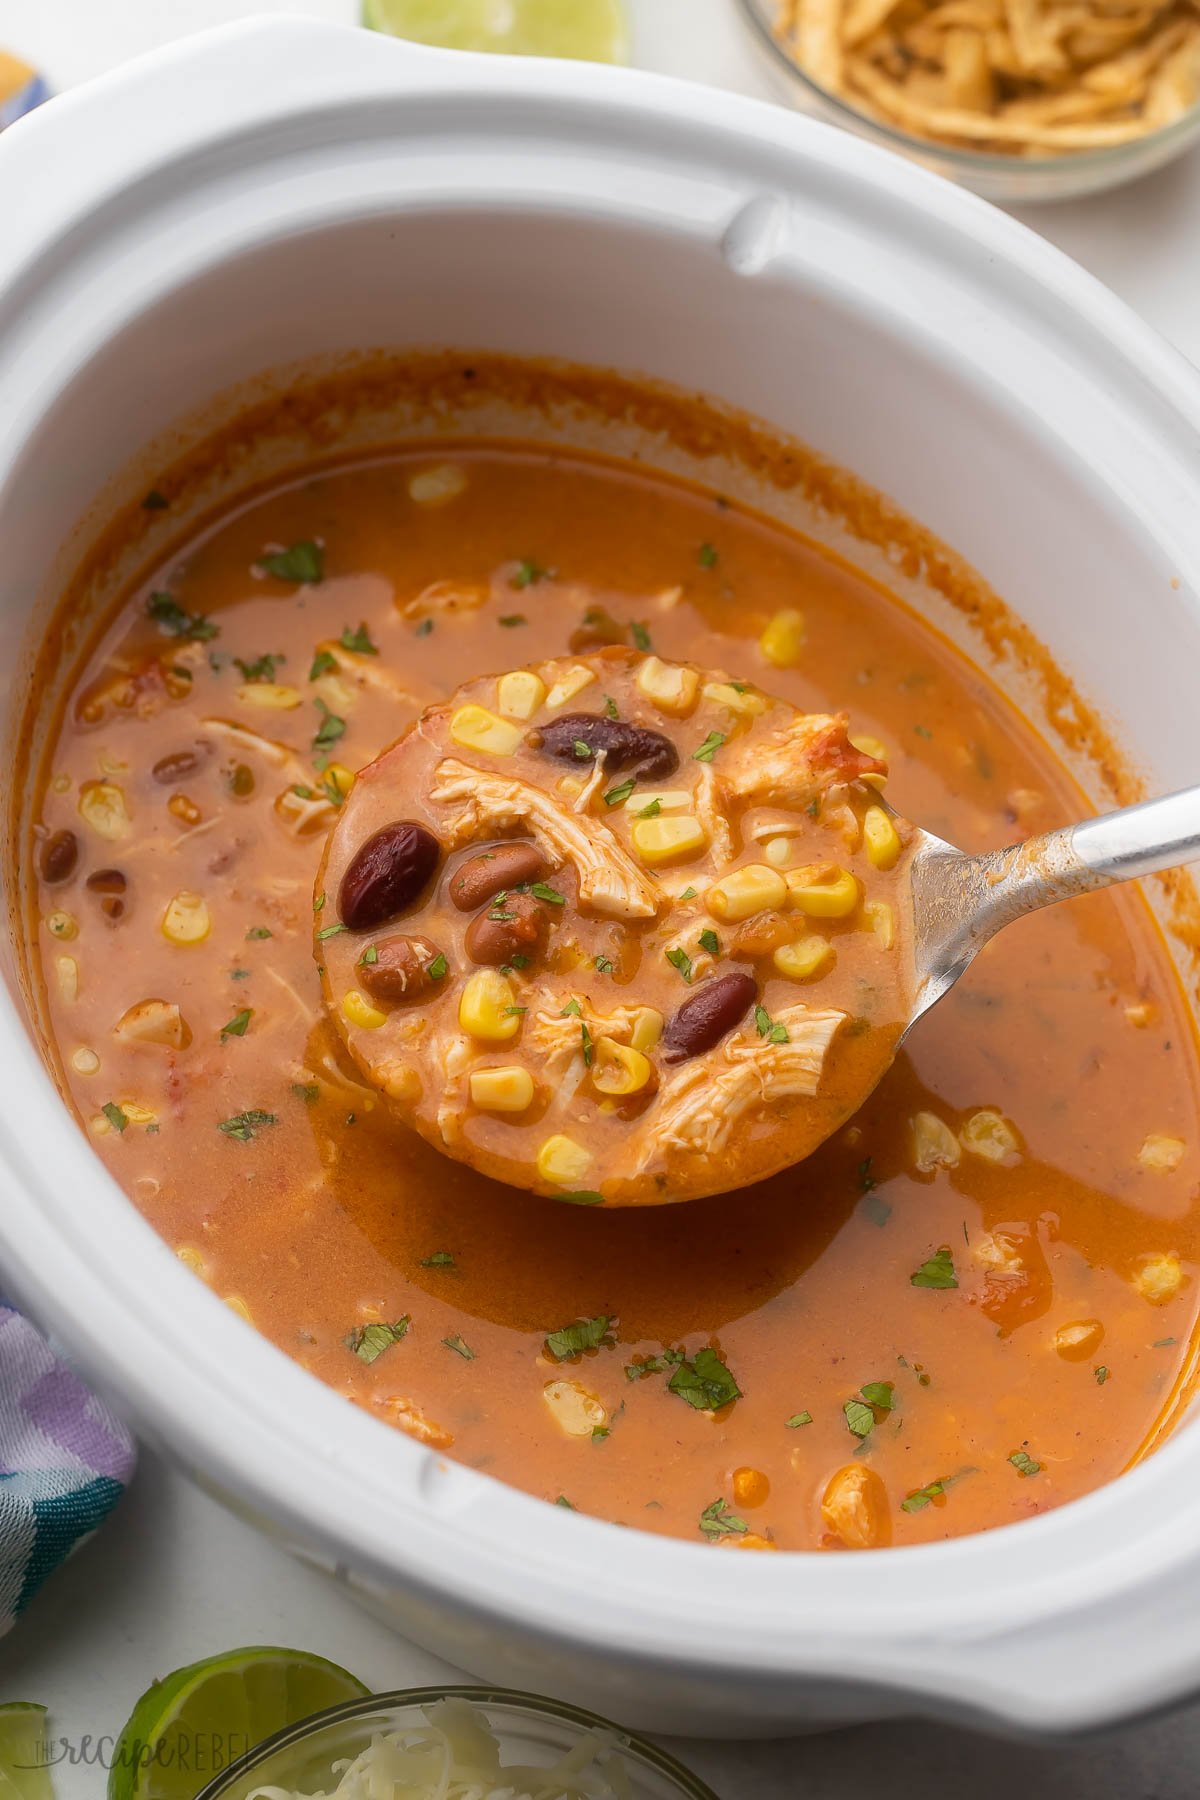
x=21, y=89
x=64, y=1462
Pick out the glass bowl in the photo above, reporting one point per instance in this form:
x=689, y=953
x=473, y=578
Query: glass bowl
x=529, y=1728
x=1003, y=178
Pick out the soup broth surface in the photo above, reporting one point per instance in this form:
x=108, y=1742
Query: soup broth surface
x=974, y=1303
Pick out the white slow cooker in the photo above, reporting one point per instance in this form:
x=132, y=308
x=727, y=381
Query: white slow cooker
x=282, y=190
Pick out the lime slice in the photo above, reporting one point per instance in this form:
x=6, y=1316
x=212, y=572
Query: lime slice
x=588, y=30
x=24, y=1774
x=195, y=1722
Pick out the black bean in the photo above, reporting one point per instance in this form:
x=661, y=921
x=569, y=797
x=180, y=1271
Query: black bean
x=387, y=874
x=58, y=855
x=493, y=871
x=703, y=1020
x=578, y=737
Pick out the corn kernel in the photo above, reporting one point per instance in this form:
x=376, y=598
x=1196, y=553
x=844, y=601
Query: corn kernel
x=871, y=746
x=750, y=1487
x=1159, y=1279
x=854, y=1508
x=1162, y=1154
x=487, y=1007
x=357, y=1010
x=782, y=643
x=747, y=1540
x=618, y=1068
x=62, y=925
x=99, y=1125
x=236, y=1304
x=183, y=809
x=823, y=891
x=807, y=957
x=400, y=1081
x=137, y=1114
x=502, y=1090
x=66, y=970
x=102, y=806
x=647, y=1028
x=341, y=778
x=1080, y=1339
x=934, y=1145
x=475, y=728
x=61, y=783
x=153, y=1022
x=438, y=485
x=272, y=696
x=1140, y=1014
x=187, y=919
x=570, y=684
x=520, y=693
x=191, y=1259
x=879, y=918
x=664, y=799
x=563, y=1162
x=575, y=1410
x=85, y=1061
x=741, y=700
x=881, y=838
x=671, y=686
x=778, y=852
x=753, y=888
x=665, y=840
x=989, y=1134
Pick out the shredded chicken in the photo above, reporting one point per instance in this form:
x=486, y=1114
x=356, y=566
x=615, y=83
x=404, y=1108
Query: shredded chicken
x=711, y=815
x=795, y=765
x=240, y=737
x=455, y=1059
x=372, y=672
x=702, y=1104
x=583, y=798
x=609, y=880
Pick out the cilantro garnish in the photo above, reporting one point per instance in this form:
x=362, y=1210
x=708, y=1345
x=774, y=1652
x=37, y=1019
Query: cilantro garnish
x=586, y=1043
x=329, y=931
x=541, y=890
x=639, y=634
x=441, y=1259
x=1101, y=1375
x=709, y=747
x=358, y=641
x=172, y=619
x=582, y=750
x=511, y=619
x=610, y=708
x=679, y=959
x=261, y=669
x=651, y=809
x=437, y=968
x=303, y=562
x=155, y=501
x=563, y=1501
x=370, y=1341
x=859, y=1417
x=604, y=965
x=798, y=1419
x=572, y=1007
x=459, y=1347
x=245, y=1125
x=330, y=729
x=258, y=931
x=710, y=942
x=653, y=1365
x=704, y=1382
x=1024, y=1464
x=583, y=1334
x=767, y=1028
x=308, y=1091
x=921, y=1497
x=322, y=663
x=237, y=1025
x=689, y=893
x=424, y=628
x=116, y=1115
x=937, y=1271
x=716, y=1521
x=618, y=795
x=706, y=556
x=527, y=574
x=880, y=1394
x=581, y=1197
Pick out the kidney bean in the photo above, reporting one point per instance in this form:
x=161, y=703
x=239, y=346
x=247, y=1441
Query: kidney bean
x=646, y=754
x=401, y=969
x=513, y=925
x=178, y=763
x=110, y=885
x=387, y=874
x=58, y=855
x=703, y=1020
x=493, y=871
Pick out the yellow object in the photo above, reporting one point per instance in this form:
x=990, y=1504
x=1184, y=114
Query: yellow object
x=153, y=1022
x=85, y=1061
x=854, y=1506
x=662, y=840
x=67, y=971
x=753, y=888
x=823, y=891
x=618, y=1068
x=881, y=838
x=475, y=728
x=1159, y=1279
x=436, y=486
x=357, y=1010
x=102, y=806
x=62, y=925
x=871, y=746
x=187, y=919
x=586, y=30
x=570, y=684
x=341, y=778
x=236, y=1304
x=563, y=1162
x=575, y=1410
x=671, y=686
x=745, y=702
x=879, y=918
x=1078, y=1339
x=487, y=1008
x=750, y=1487
x=647, y=1028
x=807, y=957
x=934, y=1144
x=782, y=643
x=272, y=696
x=665, y=799
x=502, y=1090
x=191, y=1259
x=1162, y=1154
x=989, y=1134
x=778, y=852
x=520, y=693
x=183, y=809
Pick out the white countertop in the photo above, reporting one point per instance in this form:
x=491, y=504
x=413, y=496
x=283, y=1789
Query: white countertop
x=173, y=1577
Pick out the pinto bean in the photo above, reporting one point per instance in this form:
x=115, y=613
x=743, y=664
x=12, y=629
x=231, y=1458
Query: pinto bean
x=494, y=871
x=110, y=885
x=648, y=755
x=702, y=1021
x=513, y=925
x=400, y=970
x=57, y=857
x=179, y=763
x=387, y=874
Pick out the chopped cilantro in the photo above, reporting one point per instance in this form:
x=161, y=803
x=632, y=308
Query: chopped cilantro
x=303, y=562
x=582, y=750
x=115, y=1115
x=604, y=965
x=245, y=1125
x=653, y=1365
x=704, y=1382
x=572, y=1007
x=767, y=1028
x=237, y=1025
x=511, y=619
x=358, y=641
x=563, y=1501
x=710, y=942
x=541, y=890
x=689, y=893
x=586, y=1043
x=424, y=628
x=370, y=1341
x=527, y=574
x=880, y=1394
x=239, y=974
x=921, y=1497
x=581, y=1197
x=706, y=556
x=583, y=1334
x=319, y=903
x=798, y=1419
x=599, y=1433
x=651, y=809
x=261, y=669
x=937, y=1271
x=308, y=1091
x=1101, y=1375
x=171, y=618
x=610, y=708
x=859, y=1417
x=441, y=1259
x=639, y=634
x=709, y=747
x=330, y=729
x=716, y=1521
x=922, y=731
x=679, y=959
x=155, y=501
x=369, y=957
x=866, y=1181
x=1024, y=1464
x=257, y=931
x=322, y=664
x=459, y=1347
x=437, y=968
x=618, y=795
x=329, y=931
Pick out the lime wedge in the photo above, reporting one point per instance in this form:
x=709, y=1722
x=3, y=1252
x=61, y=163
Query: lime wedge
x=588, y=30
x=190, y=1725
x=24, y=1773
